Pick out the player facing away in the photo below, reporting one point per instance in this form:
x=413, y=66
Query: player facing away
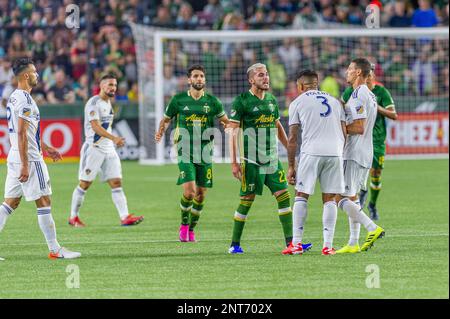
x=255, y=113
x=321, y=119
x=98, y=154
x=27, y=173
x=385, y=109
x=361, y=112
x=195, y=111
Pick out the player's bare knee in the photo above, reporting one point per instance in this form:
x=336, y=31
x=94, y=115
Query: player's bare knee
x=13, y=202
x=115, y=183
x=200, y=195
x=44, y=201
x=85, y=185
x=328, y=198
x=375, y=172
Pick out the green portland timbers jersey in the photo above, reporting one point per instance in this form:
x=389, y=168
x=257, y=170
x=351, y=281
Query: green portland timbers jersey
x=193, y=119
x=384, y=99
x=257, y=120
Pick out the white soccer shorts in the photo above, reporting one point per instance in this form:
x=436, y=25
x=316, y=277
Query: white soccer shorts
x=355, y=177
x=94, y=161
x=37, y=185
x=327, y=169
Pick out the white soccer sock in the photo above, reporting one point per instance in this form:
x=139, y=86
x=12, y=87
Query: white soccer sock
x=355, y=228
x=329, y=223
x=120, y=201
x=299, y=214
x=47, y=225
x=5, y=211
x=77, y=201
x=355, y=212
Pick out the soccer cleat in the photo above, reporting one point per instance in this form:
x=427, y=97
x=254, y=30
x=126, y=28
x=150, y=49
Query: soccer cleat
x=76, y=222
x=347, y=249
x=1, y=259
x=328, y=251
x=192, y=236
x=63, y=253
x=362, y=197
x=184, y=233
x=373, y=212
x=293, y=249
x=306, y=247
x=131, y=220
x=371, y=237
x=235, y=249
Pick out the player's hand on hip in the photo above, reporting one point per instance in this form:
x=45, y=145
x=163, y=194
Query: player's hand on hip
x=236, y=170
x=291, y=176
x=158, y=137
x=119, y=141
x=24, y=173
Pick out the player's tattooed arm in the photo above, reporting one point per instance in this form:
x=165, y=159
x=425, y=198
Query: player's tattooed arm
x=388, y=112
x=52, y=152
x=99, y=130
x=356, y=127
x=23, y=149
x=233, y=129
x=163, y=125
x=224, y=121
x=282, y=134
x=291, y=150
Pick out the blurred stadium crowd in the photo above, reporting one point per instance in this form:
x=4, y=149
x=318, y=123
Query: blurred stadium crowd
x=37, y=29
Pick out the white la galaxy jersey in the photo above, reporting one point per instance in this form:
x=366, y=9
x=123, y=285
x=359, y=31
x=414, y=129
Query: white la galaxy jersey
x=361, y=105
x=101, y=110
x=21, y=104
x=319, y=115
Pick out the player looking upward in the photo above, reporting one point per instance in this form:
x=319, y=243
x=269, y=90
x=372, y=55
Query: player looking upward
x=385, y=109
x=98, y=154
x=195, y=111
x=27, y=173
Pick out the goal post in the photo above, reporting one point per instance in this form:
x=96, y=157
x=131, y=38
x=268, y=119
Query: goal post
x=412, y=63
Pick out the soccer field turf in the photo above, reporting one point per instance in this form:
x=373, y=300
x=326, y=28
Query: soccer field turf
x=147, y=261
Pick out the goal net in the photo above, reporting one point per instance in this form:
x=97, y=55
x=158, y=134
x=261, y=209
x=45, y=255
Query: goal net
x=412, y=64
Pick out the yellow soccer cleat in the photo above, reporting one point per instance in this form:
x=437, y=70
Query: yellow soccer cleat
x=349, y=249
x=371, y=237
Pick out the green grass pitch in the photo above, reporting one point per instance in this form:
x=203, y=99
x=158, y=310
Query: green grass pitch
x=147, y=261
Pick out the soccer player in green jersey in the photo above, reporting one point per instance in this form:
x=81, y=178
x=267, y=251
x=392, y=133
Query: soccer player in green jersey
x=255, y=119
x=386, y=109
x=195, y=111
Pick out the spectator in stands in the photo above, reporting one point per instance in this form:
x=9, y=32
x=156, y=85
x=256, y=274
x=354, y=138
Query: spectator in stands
x=395, y=77
x=213, y=11
x=122, y=92
x=444, y=18
x=133, y=93
x=6, y=73
x=170, y=81
x=186, y=18
x=35, y=20
x=213, y=64
x=424, y=16
x=17, y=48
x=258, y=20
x=79, y=57
x=41, y=49
x=330, y=84
x=80, y=89
x=328, y=15
x=423, y=72
x=277, y=74
x=290, y=55
x=60, y=92
x=285, y=6
x=342, y=12
x=307, y=17
x=400, y=18
x=163, y=17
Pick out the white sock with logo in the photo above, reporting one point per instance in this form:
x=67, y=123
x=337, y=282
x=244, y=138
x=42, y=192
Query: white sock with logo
x=355, y=212
x=77, y=201
x=299, y=214
x=119, y=199
x=47, y=225
x=355, y=228
x=329, y=223
x=5, y=211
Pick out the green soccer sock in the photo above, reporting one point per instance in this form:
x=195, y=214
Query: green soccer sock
x=185, y=205
x=285, y=215
x=196, y=210
x=375, y=188
x=240, y=216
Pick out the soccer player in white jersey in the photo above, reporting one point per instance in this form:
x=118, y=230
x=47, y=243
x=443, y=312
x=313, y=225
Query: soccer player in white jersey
x=98, y=154
x=321, y=119
x=27, y=173
x=361, y=112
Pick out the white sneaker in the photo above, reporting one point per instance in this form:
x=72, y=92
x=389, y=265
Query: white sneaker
x=1, y=259
x=64, y=253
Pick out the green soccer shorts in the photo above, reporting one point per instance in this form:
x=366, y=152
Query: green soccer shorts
x=200, y=173
x=379, y=151
x=254, y=177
